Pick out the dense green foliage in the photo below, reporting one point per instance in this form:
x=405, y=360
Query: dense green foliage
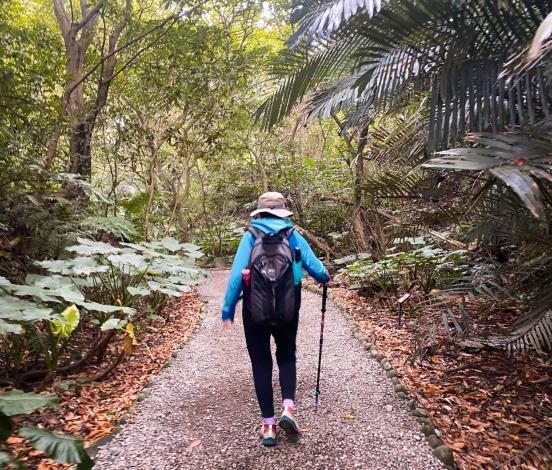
x=412, y=140
x=403, y=79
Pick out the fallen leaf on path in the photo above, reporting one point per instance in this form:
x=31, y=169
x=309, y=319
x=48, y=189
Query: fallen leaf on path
x=349, y=416
x=195, y=443
x=432, y=389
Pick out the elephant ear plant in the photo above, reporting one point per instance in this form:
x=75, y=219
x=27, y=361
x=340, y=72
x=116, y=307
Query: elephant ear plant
x=59, y=447
x=93, y=304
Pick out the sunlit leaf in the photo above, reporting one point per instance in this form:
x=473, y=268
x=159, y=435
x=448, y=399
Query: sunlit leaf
x=65, y=323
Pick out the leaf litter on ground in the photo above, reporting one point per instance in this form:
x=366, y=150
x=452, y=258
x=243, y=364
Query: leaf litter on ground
x=93, y=410
x=486, y=404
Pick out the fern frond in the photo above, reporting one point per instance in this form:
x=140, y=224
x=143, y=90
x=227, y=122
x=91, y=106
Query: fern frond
x=120, y=228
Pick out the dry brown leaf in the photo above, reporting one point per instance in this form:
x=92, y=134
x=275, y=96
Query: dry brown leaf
x=195, y=443
x=432, y=389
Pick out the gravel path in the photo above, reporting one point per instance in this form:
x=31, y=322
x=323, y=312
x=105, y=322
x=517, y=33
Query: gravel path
x=202, y=413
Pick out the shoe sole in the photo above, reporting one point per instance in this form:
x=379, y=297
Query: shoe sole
x=290, y=428
x=269, y=442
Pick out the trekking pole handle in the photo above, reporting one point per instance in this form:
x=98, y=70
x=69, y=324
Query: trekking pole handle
x=324, y=298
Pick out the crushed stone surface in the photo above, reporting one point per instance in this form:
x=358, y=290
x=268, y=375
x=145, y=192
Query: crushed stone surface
x=202, y=412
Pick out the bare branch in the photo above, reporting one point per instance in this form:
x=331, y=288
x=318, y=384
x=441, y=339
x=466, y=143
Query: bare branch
x=129, y=62
x=62, y=18
x=88, y=15
x=124, y=46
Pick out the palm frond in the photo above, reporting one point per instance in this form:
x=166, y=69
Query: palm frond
x=336, y=60
x=472, y=96
x=498, y=219
x=538, y=450
x=394, y=185
x=321, y=18
x=516, y=160
x=339, y=95
x=375, y=86
x=532, y=333
x=459, y=48
x=541, y=36
x=400, y=138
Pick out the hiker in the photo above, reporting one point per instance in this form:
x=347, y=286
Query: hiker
x=268, y=266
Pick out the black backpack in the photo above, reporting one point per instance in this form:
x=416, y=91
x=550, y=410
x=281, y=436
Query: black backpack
x=272, y=297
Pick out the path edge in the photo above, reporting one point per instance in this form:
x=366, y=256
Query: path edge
x=427, y=426
x=146, y=389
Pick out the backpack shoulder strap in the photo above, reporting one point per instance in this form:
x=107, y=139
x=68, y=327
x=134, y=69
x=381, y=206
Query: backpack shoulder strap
x=287, y=232
x=255, y=232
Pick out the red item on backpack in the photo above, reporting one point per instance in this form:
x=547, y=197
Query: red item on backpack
x=246, y=277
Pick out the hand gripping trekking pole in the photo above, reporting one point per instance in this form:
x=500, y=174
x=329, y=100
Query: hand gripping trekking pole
x=317, y=391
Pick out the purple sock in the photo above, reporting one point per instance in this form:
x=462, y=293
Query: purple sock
x=288, y=402
x=269, y=420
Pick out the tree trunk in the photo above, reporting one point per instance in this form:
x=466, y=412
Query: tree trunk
x=357, y=210
x=77, y=38
x=81, y=159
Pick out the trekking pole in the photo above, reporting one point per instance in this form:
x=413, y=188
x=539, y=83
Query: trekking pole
x=317, y=391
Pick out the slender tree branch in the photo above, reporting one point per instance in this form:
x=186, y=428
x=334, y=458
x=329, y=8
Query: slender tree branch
x=61, y=15
x=88, y=15
x=129, y=62
x=124, y=46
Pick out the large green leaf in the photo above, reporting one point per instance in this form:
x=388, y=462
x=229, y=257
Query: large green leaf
x=165, y=288
x=4, y=283
x=171, y=244
x=56, y=265
x=16, y=402
x=8, y=461
x=128, y=259
x=34, y=291
x=113, y=324
x=91, y=247
x=6, y=328
x=81, y=265
x=140, y=290
x=59, y=447
x=47, y=290
x=96, y=307
x=59, y=286
x=13, y=308
x=49, y=282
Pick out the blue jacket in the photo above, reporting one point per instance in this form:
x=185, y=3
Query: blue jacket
x=269, y=225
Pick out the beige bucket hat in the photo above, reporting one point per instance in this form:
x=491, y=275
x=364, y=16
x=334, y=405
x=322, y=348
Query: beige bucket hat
x=272, y=203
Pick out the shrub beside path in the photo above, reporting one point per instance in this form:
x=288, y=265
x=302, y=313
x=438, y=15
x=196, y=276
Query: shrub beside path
x=202, y=413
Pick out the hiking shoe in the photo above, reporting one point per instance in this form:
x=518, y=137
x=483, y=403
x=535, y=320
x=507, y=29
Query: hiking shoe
x=288, y=422
x=268, y=435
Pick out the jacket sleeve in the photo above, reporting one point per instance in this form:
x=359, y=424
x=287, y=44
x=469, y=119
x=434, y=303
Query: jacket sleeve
x=234, y=288
x=311, y=263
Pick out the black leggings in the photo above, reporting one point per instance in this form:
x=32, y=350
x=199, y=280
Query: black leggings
x=258, y=344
